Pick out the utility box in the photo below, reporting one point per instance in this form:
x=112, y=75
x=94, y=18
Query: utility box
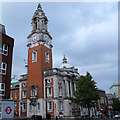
x=6, y=108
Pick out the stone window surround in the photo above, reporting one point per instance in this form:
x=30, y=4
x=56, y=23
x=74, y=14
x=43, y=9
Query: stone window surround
x=24, y=107
x=24, y=93
x=16, y=95
x=34, y=56
x=4, y=49
x=2, y=89
x=3, y=67
x=50, y=106
x=47, y=56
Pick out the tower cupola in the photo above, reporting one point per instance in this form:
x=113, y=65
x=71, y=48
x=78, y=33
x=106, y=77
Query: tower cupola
x=64, y=60
x=39, y=20
x=39, y=34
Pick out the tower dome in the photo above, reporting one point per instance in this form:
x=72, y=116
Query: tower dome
x=65, y=63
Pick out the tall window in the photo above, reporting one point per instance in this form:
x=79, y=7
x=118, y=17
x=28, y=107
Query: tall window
x=15, y=95
x=15, y=106
x=33, y=90
x=50, y=90
x=34, y=56
x=4, y=49
x=3, y=67
x=47, y=56
x=11, y=94
x=24, y=107
x=24, y=93
x=50, y=106
x=60, y=91
x=2, y=89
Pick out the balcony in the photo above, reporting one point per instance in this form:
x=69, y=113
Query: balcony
x=33, y=97
x=33, y=100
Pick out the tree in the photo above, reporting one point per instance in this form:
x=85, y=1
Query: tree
x=106, y=110
x=86, y=92
x=116, y=104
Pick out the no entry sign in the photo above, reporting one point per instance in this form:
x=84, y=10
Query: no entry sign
x=8, y=110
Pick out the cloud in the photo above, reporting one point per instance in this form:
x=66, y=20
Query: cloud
x=86, y=33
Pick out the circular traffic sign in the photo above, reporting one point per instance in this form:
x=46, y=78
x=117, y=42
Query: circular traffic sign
x=8, y=110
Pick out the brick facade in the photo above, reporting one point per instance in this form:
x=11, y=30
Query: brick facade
x=6, y=78
x=35, y=70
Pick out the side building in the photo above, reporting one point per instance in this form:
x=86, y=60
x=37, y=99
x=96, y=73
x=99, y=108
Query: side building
x=102, y=102
x=14, y=95
x=115, y=89
x=6, y=51
x=110, y=97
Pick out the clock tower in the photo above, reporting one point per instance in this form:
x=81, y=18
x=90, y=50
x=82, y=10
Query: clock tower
x=39, y=55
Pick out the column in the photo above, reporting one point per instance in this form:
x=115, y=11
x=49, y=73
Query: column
x=19, y=99
x=75, y=86
x=64, y=89
x=71, y=89
x=67, y=88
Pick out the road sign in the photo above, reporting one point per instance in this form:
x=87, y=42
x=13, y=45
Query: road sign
x=20, y=103
x=8, y=110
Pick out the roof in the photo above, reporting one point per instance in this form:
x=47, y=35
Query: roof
x=23, y=77
x=101, y=90
x=2, y=29
x=116, y=84
x=14, y=81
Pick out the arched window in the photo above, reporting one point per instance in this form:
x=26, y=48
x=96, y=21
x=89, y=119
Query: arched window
x=33, y=90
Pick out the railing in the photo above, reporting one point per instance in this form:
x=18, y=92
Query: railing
x=33, y=100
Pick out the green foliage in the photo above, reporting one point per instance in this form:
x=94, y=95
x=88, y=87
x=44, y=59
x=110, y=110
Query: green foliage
x=106, y=110
x=116, y=104
x=86, y=91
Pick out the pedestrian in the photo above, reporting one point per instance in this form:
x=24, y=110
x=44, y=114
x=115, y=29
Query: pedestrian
x=56, y=118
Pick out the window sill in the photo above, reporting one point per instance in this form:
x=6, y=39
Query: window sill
x=34, y=61
x=24, y=97
x=23, y=110
x=49, y=96
x=2, y=73
x=49, y=110
x=47, y=61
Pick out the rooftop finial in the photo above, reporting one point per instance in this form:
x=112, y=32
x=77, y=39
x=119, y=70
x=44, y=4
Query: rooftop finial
x=39, y=6
x=64, y=60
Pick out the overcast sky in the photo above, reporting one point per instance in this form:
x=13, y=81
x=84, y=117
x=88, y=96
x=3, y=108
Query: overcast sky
x=87, y=33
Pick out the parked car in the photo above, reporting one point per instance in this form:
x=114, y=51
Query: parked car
x=117, y=116
x=36, y=117
x=61, y=116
